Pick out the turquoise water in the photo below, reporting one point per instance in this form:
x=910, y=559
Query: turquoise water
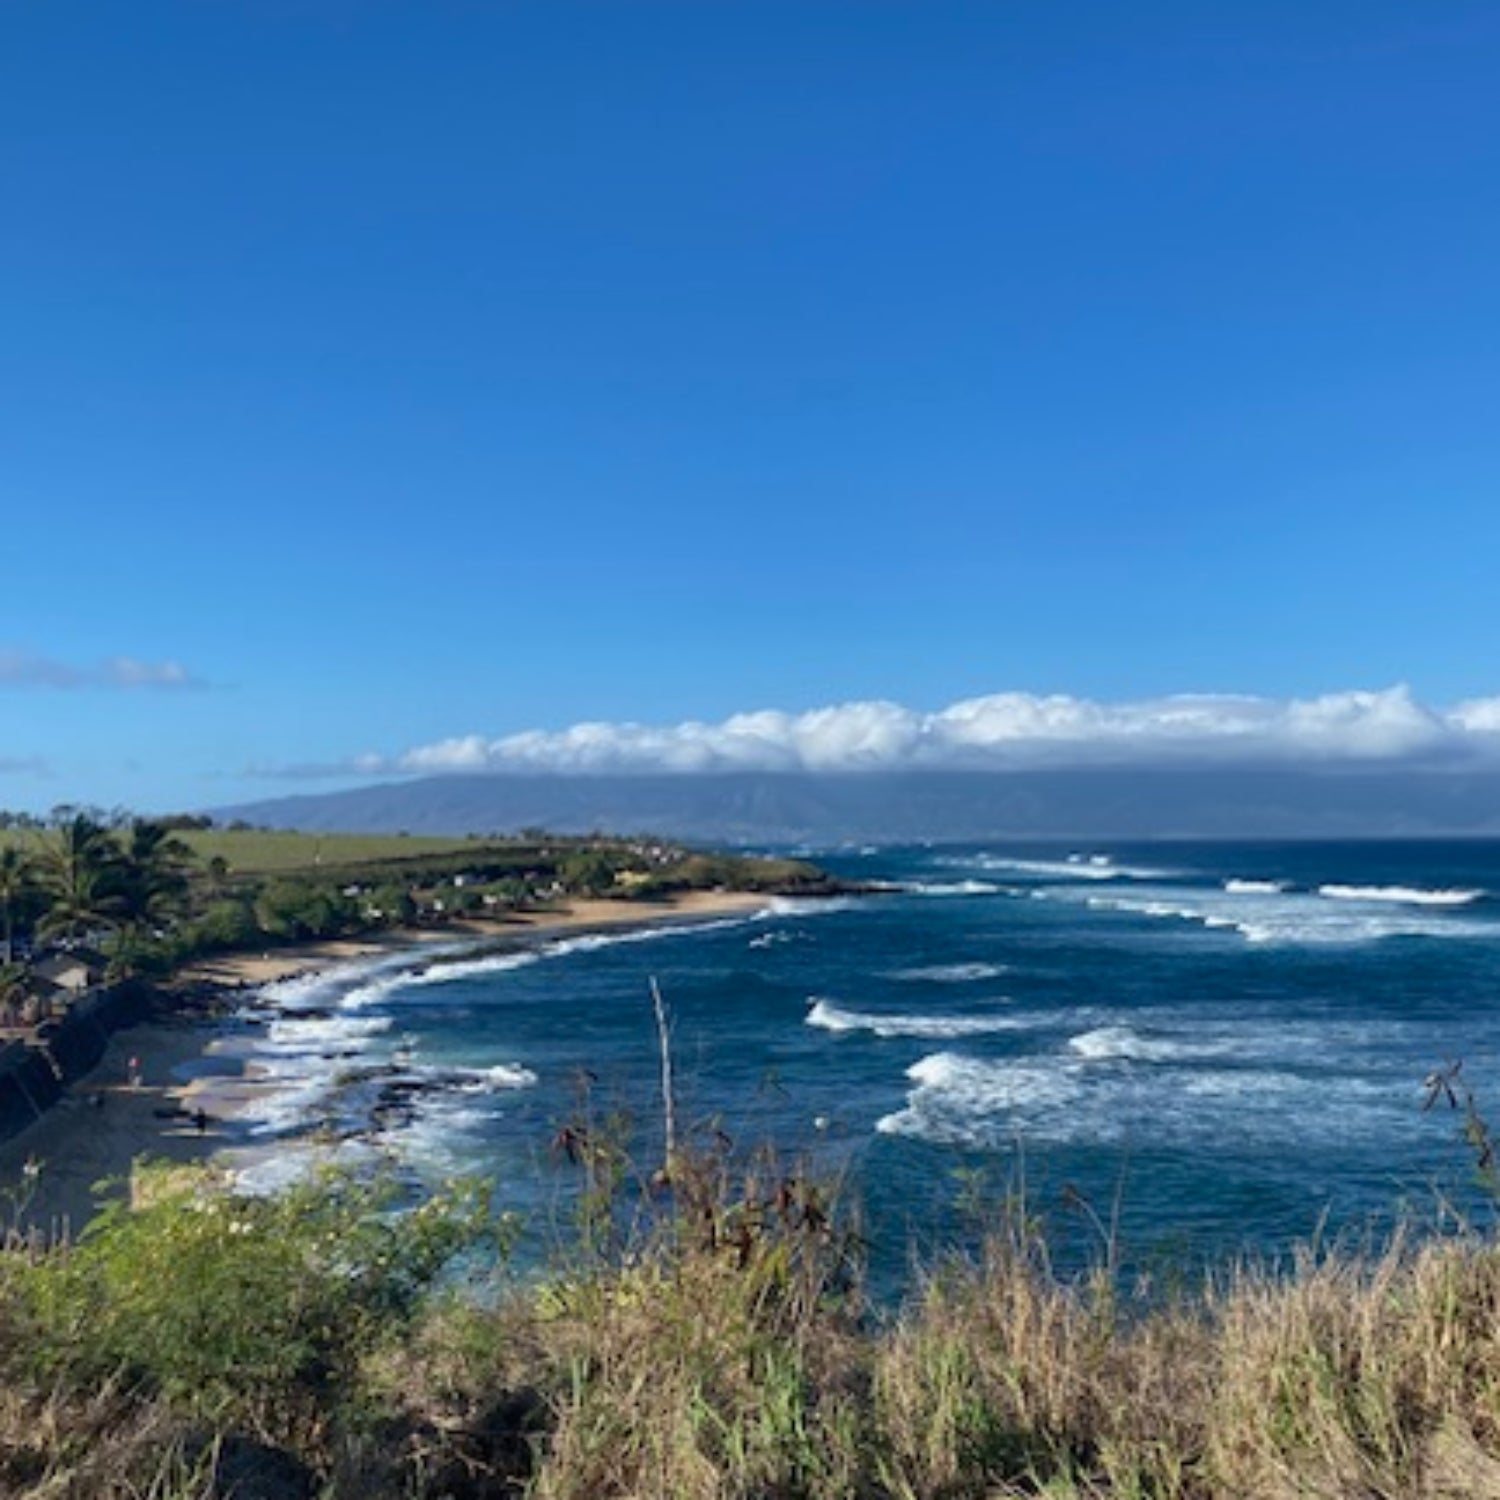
x=1230, y=1040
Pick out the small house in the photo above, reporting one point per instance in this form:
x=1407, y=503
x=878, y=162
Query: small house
x=75, y=971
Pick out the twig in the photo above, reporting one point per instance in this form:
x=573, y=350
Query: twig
x=668, y=1101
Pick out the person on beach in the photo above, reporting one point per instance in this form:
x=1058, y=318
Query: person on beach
x=133, y=1072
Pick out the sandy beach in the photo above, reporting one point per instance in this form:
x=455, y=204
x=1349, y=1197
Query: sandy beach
x=280, y=963
x=83, y=1148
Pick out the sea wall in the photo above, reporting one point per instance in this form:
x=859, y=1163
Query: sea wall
x=34, y=1075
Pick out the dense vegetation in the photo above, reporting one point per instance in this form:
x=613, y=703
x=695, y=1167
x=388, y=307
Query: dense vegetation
x=206, y=1345
x=152, y=894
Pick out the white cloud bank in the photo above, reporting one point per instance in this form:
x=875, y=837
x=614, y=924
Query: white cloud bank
x=1006, y=731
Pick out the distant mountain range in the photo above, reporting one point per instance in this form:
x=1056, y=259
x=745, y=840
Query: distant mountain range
x=760, y=808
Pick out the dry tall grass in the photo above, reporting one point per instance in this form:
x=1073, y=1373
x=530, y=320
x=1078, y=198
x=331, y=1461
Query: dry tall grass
x=732, y=1358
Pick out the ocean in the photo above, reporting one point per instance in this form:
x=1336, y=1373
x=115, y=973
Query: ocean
x=1217, y=1048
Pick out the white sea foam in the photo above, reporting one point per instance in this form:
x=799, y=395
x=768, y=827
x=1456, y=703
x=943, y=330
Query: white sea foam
x=441, y=1140
x=1255, y=887
x=1176, y=910
x=962, y=1100
x=318, y=1034
x=965, y=1101
x=290, y=1103
x=1290, y=918
x=803, y=906
x=1074, y=867
x=1404, y=895
x=293, y=1033
x=305, y=1089
x=442, y=1126
x=318, y=1031
x=949, y=973
x=832, y=1017
x=1111, y=1043
x=264, y=1174
x=323, y=986
x=592, y=942
x=326, y=987
x=379, y=989
x=485, y=965
x=501, y=1077
x=1049, y=869
x=950, y=888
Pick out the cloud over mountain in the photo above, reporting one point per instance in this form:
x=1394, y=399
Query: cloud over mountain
x=1004, y=731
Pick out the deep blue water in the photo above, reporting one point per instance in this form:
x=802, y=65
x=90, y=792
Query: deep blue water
x=1230, y=1039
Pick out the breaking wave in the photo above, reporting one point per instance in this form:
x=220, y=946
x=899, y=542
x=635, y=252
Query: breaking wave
x=1295, y=918
x=950, y=973
x=317, y=1032
x=1403, y=895
x=1121, y=1043
x=1074, y=867
x=961, y=1100
x=326, y=1051
x=501, y=1078
x=831, y=1017
x=483, y=965
x=972, y=1102
x=950, y=888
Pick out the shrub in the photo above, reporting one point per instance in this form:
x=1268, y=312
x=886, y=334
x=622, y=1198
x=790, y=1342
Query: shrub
x=303, y=909
x=235, y=1308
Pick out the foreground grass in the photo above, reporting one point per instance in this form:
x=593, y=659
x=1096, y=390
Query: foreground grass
x=205, y=1346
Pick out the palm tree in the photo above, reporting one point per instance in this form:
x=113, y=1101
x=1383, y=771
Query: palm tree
x=153, y=874
x=17, y=893
x=12, y=992
x=80, y=872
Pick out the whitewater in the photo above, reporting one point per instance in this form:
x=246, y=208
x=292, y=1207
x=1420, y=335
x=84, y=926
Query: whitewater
x=1231, y=1039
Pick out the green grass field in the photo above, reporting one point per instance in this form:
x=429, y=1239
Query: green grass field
x=269, y=852
x=253, y=856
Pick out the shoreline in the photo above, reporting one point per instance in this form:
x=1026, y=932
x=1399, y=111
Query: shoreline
x=293, y=962
x=85, y=1146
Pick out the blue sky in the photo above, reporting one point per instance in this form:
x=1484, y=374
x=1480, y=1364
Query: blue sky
x=380, y=376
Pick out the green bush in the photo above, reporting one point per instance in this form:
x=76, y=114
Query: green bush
x=302, y=909
x=225, y=924
x=238, y=1308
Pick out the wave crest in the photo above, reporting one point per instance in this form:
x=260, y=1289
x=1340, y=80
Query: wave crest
x=960, y=1100
x=1121, y=1043
x=829, y=1016
x=960, y=973
x=1402, y=895
x=950, y=888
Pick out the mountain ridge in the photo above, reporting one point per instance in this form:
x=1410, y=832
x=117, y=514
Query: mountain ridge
x=759, y=807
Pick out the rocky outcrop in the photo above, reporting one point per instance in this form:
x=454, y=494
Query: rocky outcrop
x=35, y=1073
